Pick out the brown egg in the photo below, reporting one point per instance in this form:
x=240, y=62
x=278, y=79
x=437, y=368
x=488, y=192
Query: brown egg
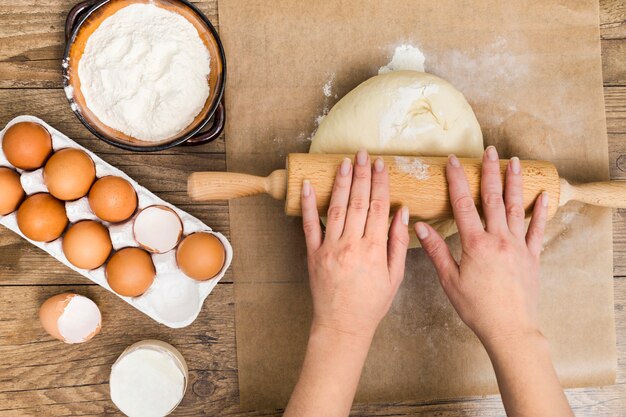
x=87, y=244
x=201, y=256
x=113, y=199
x=42, y=217
x=12, y=193
x=130, y=272
x=27, y=145
x=69, y=174
x=70, y=318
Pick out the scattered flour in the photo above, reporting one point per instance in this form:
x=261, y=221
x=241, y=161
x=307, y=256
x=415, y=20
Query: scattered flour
x=413, y=166
x=328, y=87
x=328, y=91
x=403, y=120
x=405, y=57
x=486, y=75
x=144, y=72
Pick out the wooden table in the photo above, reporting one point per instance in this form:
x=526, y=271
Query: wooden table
x=43, y=377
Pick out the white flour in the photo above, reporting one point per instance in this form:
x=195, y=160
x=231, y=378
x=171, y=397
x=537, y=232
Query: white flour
x=329, y=94
x=410, y=100
x=405, y=57
x=410, y=114
x=328, y=87
x=413, y=166
x=144, y=72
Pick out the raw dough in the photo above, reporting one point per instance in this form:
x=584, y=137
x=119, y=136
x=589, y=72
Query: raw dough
x=402, y=113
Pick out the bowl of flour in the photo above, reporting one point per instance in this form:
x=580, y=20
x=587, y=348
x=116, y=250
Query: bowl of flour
x=145, y=75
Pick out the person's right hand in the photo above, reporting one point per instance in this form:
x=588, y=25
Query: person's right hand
x=495, y=286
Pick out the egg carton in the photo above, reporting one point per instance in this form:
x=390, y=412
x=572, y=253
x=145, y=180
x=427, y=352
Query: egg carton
x=173, y=299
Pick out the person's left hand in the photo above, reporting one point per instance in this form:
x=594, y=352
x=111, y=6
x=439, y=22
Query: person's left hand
x=355, y=271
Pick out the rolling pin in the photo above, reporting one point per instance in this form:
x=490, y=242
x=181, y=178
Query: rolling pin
x=418, y=183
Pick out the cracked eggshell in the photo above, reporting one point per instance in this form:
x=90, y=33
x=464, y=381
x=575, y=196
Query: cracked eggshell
x=173, y=299
x=157, y=229
x=70, y=318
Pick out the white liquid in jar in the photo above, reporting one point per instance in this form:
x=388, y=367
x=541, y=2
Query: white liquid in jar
x=147, y=382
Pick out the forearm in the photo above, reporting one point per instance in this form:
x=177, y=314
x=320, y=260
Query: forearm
x=528, y=382
x=330, y=374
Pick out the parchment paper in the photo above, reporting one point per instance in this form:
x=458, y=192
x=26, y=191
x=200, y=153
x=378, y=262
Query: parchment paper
x=532, y=72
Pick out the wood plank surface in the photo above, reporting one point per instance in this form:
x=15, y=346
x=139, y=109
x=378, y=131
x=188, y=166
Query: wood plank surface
x=42, y=377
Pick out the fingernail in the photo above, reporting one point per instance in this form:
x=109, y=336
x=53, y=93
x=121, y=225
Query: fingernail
x=545, y=199
x=454, y=161
x=404, y=213
x=344, y=169
x=361, y=157
x=306, y=188
x=422, y=231
x=515, y=165
x=379, y=164
x=491, y=152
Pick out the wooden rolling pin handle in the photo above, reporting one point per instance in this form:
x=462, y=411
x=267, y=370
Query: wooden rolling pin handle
x=605, y=194
x=212, y=186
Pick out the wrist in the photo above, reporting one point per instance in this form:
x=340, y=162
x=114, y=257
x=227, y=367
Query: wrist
x=528, y=340
x=336, y=336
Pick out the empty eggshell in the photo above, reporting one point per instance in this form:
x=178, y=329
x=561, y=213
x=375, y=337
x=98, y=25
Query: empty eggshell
x=130, y=272
x=42, y=217
x=11, y=191
x=113, y=199
x=157, y=229
x=69, y=174
x=70, y=318
x=27, y=145
x=87, y=244
x=201, y=256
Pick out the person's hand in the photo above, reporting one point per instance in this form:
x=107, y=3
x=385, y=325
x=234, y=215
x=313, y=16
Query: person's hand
x=354, y=273
x=495, y=286
x=355, y=270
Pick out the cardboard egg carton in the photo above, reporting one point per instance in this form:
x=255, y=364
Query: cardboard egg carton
x=173, y=299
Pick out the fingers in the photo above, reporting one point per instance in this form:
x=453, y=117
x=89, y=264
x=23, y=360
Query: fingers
x=359, y=203
x=398, y=245
x=310, y=218
x=438, y=252
x=491, y=192
x=378, y=215
x=514, y=198
x=463, y=207
x=534, y=236
x=338, y=205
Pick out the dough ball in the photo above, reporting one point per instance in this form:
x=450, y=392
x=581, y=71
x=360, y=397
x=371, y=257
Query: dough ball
x=403, y=113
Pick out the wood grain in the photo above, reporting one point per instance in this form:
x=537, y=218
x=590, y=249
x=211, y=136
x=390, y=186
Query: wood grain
x=42, y=377
x=407, y=190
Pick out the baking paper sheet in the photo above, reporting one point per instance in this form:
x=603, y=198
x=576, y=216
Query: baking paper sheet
x=532, y=72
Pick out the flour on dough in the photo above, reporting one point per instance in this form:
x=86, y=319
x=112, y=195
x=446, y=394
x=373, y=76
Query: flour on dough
x=405, y=57
x=407, y=113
